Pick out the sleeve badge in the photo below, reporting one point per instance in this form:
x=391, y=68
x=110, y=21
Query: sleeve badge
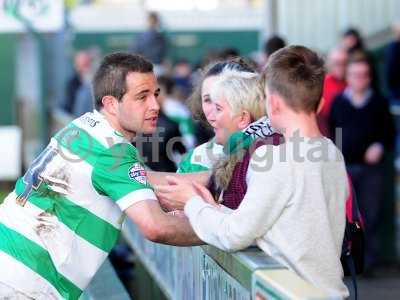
x=138, y=173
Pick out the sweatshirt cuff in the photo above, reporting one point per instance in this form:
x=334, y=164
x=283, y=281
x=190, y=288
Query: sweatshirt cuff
x=194, y=206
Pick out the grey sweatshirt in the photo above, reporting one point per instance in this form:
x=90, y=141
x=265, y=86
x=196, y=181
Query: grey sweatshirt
x=294, y=209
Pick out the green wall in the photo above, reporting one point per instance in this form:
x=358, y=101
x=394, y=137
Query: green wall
x=183, y=44
x=8, y=46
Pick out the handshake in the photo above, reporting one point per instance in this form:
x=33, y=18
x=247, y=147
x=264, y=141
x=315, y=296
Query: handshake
x=174, y=196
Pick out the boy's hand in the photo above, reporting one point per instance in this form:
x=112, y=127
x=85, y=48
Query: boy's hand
x=205, y=194
x=373, y=154
x=175, y=195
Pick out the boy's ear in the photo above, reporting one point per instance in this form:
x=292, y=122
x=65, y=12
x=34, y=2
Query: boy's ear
x=320, y=105
x=273, y=104
x=109, y=104
x=245, y=119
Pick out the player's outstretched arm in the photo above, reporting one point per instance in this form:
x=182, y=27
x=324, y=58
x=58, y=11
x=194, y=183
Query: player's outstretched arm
x=160, y=227
x=159, y=178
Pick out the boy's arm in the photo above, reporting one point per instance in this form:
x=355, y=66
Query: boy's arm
x=269, y=190
x=160, y=227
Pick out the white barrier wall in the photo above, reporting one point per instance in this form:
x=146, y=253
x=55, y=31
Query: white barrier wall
x=319, y=23
x=10, y=152
x=315, y=23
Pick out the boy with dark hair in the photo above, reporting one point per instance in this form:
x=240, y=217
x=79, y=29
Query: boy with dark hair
x=294, y=206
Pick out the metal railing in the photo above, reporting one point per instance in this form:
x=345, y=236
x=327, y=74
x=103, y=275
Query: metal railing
x=208, y=273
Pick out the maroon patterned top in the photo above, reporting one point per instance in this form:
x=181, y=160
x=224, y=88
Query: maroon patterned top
x=233, y=196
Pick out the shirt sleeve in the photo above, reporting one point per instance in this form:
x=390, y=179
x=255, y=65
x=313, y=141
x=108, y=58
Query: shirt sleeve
x=119, y=173
x=258, y=211
x=185, y=163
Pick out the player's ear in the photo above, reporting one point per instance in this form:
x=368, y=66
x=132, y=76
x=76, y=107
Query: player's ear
x=109, y=104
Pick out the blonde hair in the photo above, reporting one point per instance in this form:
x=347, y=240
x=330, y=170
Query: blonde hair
x=242, y=91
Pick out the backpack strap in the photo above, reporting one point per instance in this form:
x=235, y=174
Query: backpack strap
x=352, y=269
x=353, y=215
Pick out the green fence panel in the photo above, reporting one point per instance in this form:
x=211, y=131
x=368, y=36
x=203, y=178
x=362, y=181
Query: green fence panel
x=191, y=45
x=8, y=46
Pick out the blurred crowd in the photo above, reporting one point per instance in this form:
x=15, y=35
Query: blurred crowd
x=355, y=111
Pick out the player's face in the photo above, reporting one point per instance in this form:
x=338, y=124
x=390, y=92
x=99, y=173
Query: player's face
x=226, y=122
x=138, y=109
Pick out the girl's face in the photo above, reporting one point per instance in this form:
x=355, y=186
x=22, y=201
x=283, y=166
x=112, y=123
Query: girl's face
x=225, y=123
x=207, y=105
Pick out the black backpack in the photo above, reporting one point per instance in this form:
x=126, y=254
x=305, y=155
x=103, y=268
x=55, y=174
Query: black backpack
x=352, y=257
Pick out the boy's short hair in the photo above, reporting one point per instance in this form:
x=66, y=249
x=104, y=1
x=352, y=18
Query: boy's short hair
x=297, y=74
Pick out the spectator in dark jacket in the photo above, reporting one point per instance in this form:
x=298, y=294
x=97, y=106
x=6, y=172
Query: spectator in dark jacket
x=367, y=133
x=392, y=66
x=160, y=149
x=152, y=43
x=78, y=97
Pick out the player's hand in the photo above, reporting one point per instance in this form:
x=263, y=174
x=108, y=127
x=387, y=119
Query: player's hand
x=175, y=195
x=373, y=154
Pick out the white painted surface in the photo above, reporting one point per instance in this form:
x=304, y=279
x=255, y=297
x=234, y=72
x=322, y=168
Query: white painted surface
x=314, y=23
x=10, y=152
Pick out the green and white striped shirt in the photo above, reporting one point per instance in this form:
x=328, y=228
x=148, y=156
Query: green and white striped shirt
x=75, y=191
